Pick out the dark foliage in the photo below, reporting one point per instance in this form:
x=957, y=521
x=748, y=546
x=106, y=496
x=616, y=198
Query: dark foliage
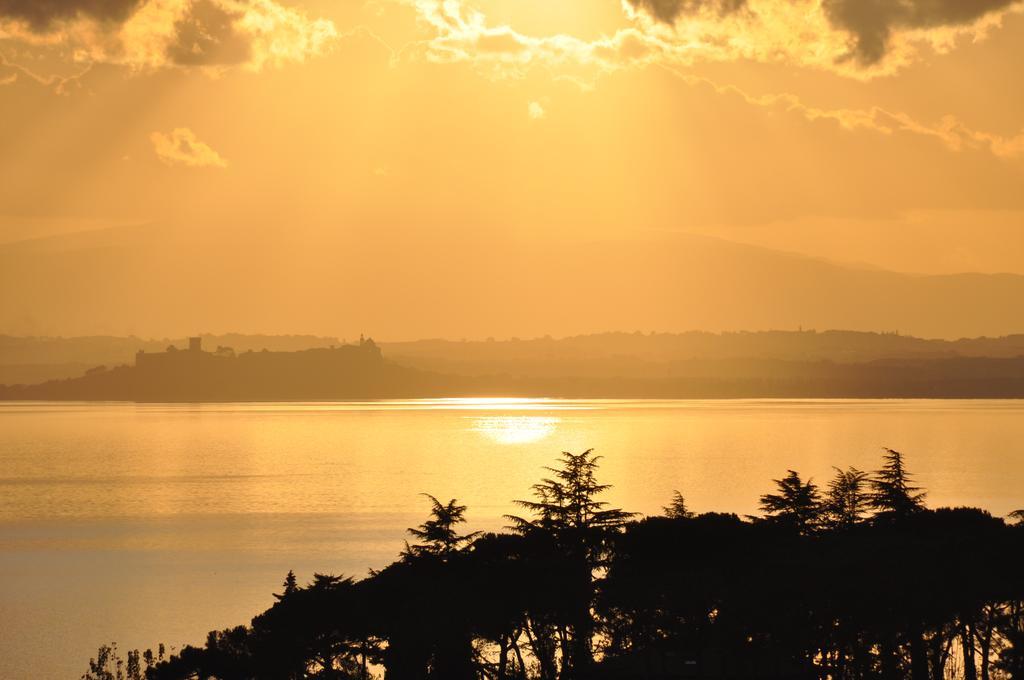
x=820, y=587
x=796, y=505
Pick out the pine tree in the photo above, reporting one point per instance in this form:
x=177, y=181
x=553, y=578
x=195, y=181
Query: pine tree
x=893, y=492
x=328, y=581
x=438, y=533
x=847, y=499
x=797, y=504
x=677, y=508
x=290, y=585
x=566, y=509
x=567, y=503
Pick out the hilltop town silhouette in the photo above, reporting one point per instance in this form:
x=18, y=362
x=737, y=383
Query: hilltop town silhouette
x=195, y=374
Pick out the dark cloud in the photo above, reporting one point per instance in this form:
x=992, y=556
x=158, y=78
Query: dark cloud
x=186, y=33
x=207, y=36
x=871, y=22
x=669, y=11
x=41, y=14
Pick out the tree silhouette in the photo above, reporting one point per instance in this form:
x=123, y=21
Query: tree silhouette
x=847, y=499
x=567, y=511
x=677, y=509
x=892, y=490
x=438, y=533
x=797, y=503
x=1011, y=656
x=1017, y=516
x=578, y=592
x=109, y=665
x=290, y=586
x=567, y=504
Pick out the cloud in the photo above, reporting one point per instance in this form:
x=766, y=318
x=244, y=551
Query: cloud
x=873, y=22
x=153, y=34
x=208, y=35
x=670, y=11
x=949, y=130
x=858, y=38
x=182, y=147
x=11, y=73
x=535, y=111
x=41, y=15
x=464, y=35
x=280, y=35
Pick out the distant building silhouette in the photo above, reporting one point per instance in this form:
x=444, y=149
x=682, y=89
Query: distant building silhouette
x=198, y=375
x=195, y=356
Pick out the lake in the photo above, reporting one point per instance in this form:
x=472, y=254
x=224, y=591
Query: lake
x=145, y=523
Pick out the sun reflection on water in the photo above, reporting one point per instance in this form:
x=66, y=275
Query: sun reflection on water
x=515, y=429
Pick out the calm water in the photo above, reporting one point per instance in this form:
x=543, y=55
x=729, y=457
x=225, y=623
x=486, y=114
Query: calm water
x=148, y=523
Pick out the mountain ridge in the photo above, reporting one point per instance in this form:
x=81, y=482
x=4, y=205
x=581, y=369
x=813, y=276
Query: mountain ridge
x=154, y=280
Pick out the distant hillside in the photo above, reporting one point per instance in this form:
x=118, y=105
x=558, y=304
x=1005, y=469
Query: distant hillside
x=661, y=354
x=605, y=355
x=360, y=372
x=342, y=280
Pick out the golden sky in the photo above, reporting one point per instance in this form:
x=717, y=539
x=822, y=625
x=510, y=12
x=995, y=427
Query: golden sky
x=890, y=135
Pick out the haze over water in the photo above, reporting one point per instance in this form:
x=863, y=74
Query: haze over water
x=150, y=523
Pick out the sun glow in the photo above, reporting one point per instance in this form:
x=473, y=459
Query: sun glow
x=516, y=429
x=489, y=403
